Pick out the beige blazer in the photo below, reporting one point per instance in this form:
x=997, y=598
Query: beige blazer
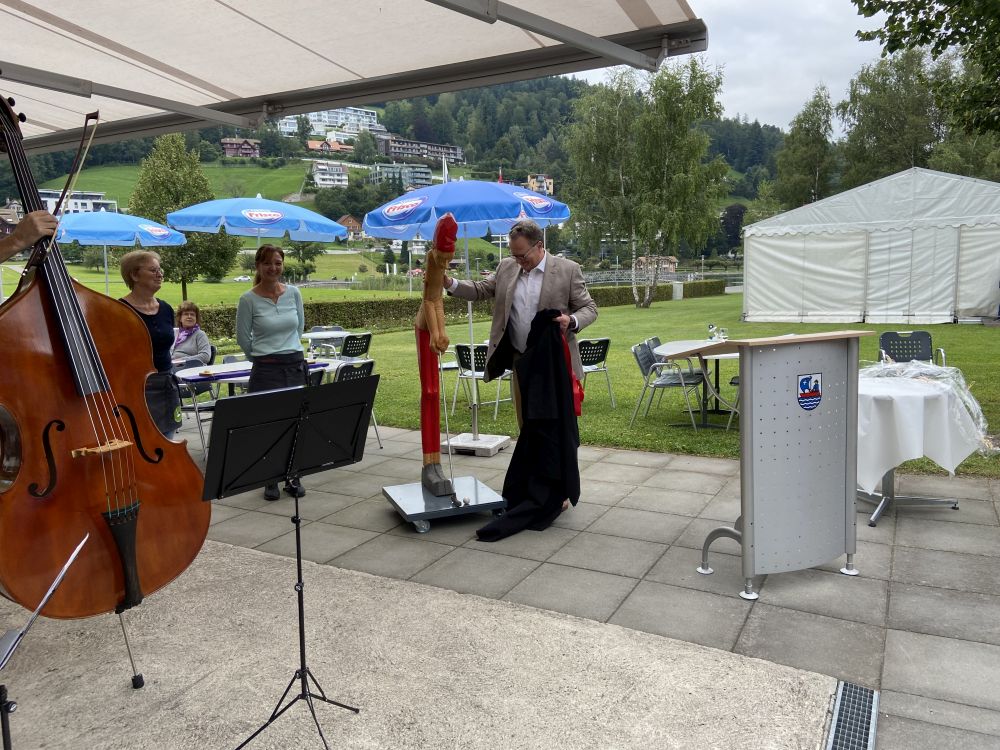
x=563, y=289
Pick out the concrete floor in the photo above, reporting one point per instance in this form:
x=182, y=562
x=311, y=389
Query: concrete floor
x=921, y=623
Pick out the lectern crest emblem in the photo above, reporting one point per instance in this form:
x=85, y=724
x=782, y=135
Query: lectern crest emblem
x=810, y=390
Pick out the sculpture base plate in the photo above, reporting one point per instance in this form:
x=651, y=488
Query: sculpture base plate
x=484, y=445
x=418, y=506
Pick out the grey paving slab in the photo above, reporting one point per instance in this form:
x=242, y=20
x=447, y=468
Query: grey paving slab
x=320, y=541
x=830, y=594
x=982, y=512
x=389, y=448
x=706, y=465
x=609, y=554
x=932, y=711
x=604, y=493
x=721, y=508
x=678, y=502
x=638, y=458
x=453, y=530
x=592, y=453
x=687, y=614
x=373, y=514
x=249, y=529
x=603, y=471
x=897, y=733
x=942, y=668
x=372, y=458
x=396, y=467
x=663, y=528
x=252, y=500
x=532, y=545
x=580, y=516
x=699, y=528
x=948, y=537
x=951, y=570
x=222, y=512
x=669, y=479
x=941, y=486
x=679, y=565
x=871, y=561
x=315, y=505
x=883, y=533
x=944, y=612
x=584, y=593
x=391, y=556
x=470, y=571
x=358, y=484
x=846, y=650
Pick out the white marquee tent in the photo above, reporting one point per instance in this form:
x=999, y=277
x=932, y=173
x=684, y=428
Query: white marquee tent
x=918, y=246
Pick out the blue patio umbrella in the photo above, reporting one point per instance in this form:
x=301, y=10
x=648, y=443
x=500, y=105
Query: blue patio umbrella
x=104, y=228
x=480, y=208
x=256, y=217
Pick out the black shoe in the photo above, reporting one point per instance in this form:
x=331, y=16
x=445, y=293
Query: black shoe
x=271, y=492
x=295, y=490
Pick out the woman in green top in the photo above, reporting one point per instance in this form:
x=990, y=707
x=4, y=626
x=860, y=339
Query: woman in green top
x=269, y=326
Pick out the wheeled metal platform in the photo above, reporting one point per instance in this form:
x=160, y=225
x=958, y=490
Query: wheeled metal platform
x=418, y=506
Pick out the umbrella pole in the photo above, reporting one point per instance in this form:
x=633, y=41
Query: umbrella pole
x=472, y=347
x=107, y=284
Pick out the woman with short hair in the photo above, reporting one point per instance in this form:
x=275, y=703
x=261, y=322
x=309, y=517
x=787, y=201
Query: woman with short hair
x=190, y=342
x=143, y=276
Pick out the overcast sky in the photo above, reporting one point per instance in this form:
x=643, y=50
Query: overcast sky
x=775, y=52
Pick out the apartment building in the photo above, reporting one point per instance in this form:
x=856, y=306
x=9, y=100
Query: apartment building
x=411, y=175
x=329, y=174
x=345, y=121
x=248, y=148
x=396, y=147
x=79, y=201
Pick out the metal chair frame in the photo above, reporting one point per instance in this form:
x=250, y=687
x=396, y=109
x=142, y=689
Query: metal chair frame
x=355, y=371
x=594, y=358
x=193, y=390
x=469, y=369
x=907, y=346
x=355, y=346
x=662, y=375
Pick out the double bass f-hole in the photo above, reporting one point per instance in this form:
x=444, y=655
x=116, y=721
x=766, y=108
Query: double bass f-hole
x=137, y=437
x=50, y=460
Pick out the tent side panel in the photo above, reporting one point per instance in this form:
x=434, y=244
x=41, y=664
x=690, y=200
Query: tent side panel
x=804, y=278
x=979, y=272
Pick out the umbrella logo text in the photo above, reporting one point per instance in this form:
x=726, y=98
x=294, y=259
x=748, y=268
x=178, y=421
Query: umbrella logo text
x=155, y=231
x=262, y=215
x=537, y=202
x=401, y=209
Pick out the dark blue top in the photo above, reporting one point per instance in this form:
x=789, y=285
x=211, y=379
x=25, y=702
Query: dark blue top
x=161, y=334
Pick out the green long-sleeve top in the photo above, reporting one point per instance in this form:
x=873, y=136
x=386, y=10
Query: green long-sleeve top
x=264, y=327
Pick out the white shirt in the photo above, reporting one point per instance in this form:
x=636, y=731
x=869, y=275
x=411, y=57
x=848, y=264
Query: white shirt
x=524, y=305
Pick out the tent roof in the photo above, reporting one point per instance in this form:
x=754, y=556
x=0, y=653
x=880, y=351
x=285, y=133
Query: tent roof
x=252, y=57
x=913, y=198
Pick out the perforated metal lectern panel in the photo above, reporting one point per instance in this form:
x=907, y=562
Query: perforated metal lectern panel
x=796, y=450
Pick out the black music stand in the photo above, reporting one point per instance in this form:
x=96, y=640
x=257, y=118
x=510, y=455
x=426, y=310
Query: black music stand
x=12, y=639
x=263, y=438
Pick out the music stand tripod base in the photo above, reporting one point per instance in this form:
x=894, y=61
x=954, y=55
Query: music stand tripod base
x=418, y=506
x=483, y=445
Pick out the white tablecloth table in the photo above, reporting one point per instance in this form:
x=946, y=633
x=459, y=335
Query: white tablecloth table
x=900, y=419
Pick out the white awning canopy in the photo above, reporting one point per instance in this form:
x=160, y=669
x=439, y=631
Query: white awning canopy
x=157, y=67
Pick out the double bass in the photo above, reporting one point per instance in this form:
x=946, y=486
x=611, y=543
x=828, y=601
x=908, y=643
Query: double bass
x=79, y=451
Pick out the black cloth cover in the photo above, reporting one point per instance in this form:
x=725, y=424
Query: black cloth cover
x=543, y=471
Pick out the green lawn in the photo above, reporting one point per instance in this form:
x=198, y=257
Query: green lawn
x=968, y=347
x=117, y=182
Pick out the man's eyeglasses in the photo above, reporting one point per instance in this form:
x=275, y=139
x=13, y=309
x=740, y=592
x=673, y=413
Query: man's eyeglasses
x=525, y=254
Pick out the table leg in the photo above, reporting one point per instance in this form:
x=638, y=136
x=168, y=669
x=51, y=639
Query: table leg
x=887, y=497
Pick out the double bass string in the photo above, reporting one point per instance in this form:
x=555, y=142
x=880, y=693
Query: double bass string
x=93, y=381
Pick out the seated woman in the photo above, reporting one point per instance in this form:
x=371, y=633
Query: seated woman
x=190, y=341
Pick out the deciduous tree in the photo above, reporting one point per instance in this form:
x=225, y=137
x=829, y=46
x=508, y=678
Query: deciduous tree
x=807, y=160
x=171, y=178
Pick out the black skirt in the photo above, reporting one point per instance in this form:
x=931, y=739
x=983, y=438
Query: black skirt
x=278, y=371
x=163, y=400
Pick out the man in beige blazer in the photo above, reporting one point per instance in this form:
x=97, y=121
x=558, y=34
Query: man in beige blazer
x=529, y=280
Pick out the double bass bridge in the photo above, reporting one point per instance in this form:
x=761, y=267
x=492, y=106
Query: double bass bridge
x=109, y=446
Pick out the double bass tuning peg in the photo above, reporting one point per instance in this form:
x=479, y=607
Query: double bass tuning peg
x=21, y=117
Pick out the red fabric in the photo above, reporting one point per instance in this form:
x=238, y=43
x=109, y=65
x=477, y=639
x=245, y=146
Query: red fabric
x=445, y=233
x=574, y=380
x=430, y=394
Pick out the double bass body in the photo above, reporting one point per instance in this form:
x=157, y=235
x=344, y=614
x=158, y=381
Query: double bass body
x=54, y=466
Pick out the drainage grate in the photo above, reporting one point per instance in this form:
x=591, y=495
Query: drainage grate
x=855, y=715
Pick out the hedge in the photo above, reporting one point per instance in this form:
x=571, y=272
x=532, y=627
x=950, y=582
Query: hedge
x=393, y=314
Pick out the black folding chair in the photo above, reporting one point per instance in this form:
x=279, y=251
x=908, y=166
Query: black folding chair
x=356, y=371
x=907, y=346
x=594, y=357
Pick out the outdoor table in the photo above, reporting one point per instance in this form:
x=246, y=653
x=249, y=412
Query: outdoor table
x=687, y=348
x=239, y=372
x=335, y=338
x=900, y=419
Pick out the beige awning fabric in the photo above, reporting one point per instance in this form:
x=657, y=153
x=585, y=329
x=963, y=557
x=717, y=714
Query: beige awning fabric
x=251, y=57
